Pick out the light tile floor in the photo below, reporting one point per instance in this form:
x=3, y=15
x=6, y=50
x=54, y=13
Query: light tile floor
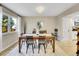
x=63, y=48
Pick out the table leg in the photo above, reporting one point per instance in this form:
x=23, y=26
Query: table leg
x=19, y=45
x=53, y=44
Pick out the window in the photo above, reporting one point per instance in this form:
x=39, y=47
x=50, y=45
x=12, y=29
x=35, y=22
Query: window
x=12, y=24
x=4, y=24
x=76, y=21
x=8, y=24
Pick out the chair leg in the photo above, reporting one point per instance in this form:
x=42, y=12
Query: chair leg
x=38, y=48
x=46, y=45
x=21, y=44
x=44, y=48
x=27, y=47
x=33, y=48
x=34, y=45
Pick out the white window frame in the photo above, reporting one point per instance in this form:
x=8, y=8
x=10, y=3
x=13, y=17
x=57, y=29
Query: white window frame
x=8, y=32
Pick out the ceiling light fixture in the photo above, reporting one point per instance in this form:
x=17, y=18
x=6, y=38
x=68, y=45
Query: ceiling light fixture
x=40, y=9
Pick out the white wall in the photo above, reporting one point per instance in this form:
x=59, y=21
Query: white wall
x=68, y=23
x=8, y=39
x=31, y=22
x=65, y=24
x=19, y=25
x=22, y=25
x=67, y=28
x=0, y=28
x=59, y=25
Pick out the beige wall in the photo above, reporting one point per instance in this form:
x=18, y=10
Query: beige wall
x=31, y=22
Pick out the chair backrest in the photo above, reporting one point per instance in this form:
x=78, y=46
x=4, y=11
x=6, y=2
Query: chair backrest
x=34, y=31
x=42, y=38
x=42, y=31
x=29, y=37
x=21, y=34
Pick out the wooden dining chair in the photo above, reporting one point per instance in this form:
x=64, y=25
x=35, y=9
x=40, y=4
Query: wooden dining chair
x=42, y=41
x=23, y=40
x=44, y=32
x=30, y=41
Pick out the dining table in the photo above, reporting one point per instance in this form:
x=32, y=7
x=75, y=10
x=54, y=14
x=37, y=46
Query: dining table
x=49, y=37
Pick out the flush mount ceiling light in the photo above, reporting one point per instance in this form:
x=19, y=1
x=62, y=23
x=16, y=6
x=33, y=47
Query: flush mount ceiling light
x=40, y=9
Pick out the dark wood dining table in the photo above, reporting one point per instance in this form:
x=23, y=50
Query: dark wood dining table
x=49, y=37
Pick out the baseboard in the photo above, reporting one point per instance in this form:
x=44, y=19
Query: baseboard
x=6, y=50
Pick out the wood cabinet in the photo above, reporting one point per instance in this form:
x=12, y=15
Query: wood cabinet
x=77, y=42
x=77, y=29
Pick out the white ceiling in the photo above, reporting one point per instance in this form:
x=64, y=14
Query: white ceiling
x=28, y=9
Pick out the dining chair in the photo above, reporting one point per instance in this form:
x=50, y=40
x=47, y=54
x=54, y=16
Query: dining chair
x=30, y=41
x=42, y=41
x=44, y=32
x=23, y=40
x=34, y=32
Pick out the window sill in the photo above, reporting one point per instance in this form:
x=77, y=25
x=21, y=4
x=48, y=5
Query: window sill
x=8, y=33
